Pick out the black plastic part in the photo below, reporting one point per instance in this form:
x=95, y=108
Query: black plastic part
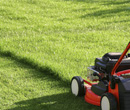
x=108, y=61
x=128, y=54
x=114, y=80
x=103, y=66
x=124, y=94
x=112, y=101
x=99, y=88
x=80, y=81
x=114, y=55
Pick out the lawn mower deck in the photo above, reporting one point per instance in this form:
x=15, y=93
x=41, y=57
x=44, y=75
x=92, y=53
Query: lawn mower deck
x=108, y=82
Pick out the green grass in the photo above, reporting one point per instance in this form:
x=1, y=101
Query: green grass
x=22, y=87
x=65, y=36
x=57, y=39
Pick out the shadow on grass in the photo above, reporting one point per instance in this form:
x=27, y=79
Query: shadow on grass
x=31, y=64
x=114, y=2
x=118, y=7
x=108, y=12
x=104, y=2
x=87, y=1
x=64, y=101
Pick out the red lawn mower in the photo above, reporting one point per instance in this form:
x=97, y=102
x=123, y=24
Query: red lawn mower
x=108, y=82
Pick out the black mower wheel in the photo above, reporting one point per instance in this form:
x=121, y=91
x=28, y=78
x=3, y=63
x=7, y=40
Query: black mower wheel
x=108, y=102
x=77, y=86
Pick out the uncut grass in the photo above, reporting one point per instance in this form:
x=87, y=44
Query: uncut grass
x=22, y=87
x=64, y=35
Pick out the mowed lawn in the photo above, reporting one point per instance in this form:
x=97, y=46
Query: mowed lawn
x=23, y=87
x=44, y=43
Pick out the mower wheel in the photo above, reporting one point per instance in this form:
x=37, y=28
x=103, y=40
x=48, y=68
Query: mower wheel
x=77, y=86
x=108, y=102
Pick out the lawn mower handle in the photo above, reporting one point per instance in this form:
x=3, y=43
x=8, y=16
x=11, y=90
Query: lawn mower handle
x=120, y=59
